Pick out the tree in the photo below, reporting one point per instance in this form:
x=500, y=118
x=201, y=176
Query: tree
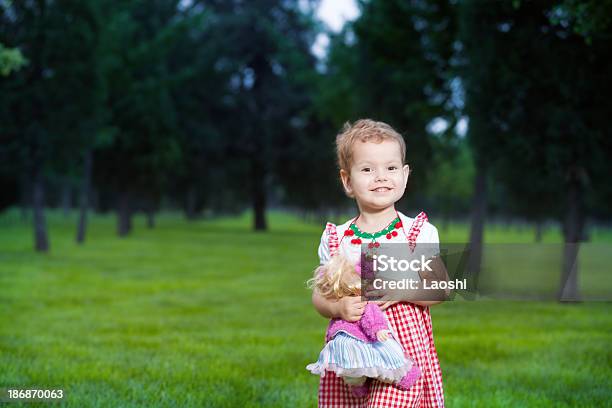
x=207, y=177
x=453, y=175
x=10, y=60
x=139, y=37
x=52, y=102
x=537, y=118
x=270, y=64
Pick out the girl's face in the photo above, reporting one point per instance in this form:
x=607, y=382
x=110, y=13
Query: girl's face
x=377, y=178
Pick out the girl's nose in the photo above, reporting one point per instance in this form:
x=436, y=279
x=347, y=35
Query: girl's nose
x=381, y=176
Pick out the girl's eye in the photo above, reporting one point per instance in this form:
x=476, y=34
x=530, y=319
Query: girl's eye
x=366, y=169
x=392, y=168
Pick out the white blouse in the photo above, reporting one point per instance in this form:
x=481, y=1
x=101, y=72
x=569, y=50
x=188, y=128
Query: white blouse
x=428, y=236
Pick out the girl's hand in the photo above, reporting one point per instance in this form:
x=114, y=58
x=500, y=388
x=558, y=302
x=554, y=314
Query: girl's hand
x=384, y=304
x=350, y=308
x=385, y=296
x=383, y=335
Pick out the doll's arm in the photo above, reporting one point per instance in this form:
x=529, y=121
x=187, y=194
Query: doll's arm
x=383, y=335
x=372, y=321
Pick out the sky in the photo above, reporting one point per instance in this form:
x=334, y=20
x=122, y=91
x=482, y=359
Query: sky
x=334, y=13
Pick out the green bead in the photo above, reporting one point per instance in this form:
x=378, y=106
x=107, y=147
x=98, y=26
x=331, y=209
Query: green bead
x=375, y=235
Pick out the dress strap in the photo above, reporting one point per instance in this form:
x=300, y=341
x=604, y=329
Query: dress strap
x=415, y=229
x=332, y=239
x=344, y=235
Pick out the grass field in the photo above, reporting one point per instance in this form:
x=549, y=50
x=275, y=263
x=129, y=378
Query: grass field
x=210, y=314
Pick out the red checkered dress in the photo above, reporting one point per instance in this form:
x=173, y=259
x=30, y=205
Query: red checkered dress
x=412, y=324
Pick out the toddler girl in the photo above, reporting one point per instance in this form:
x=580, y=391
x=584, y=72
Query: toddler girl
x=371, y=158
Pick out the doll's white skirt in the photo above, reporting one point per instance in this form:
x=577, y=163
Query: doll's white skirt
x=348, y=356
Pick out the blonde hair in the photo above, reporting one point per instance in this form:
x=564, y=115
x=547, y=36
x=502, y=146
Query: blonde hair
x=336, y=279
x=364, y=130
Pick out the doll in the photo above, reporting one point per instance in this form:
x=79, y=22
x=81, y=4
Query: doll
x=367, y=348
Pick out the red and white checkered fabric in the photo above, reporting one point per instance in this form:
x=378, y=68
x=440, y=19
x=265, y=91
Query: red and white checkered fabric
x=412, y=324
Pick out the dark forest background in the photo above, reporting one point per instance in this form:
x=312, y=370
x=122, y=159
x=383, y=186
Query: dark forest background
x=216, y=107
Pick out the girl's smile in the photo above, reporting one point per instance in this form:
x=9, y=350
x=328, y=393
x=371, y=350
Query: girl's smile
x=382, y=189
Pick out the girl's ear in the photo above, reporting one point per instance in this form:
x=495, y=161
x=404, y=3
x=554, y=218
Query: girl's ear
x=406, y=170
x=346, y=182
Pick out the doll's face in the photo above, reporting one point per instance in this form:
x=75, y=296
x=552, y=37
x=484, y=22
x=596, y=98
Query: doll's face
x=377, y=177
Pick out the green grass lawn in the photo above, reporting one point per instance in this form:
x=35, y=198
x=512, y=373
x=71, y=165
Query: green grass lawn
x=211, y=314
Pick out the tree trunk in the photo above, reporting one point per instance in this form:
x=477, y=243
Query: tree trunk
x=573, y=231
x=41, y=240
x=66, y=198
x=150, y=217
x=259, y=195
x=191, y=202
x=25, y=200
x=85, y=192
x=539, y=227
x=479, y=209
x=124, y=214
x=94, y=198
x=445, y=221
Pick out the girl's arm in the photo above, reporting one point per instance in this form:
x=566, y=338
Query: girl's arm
x=420, y=296
x=433, y=296
x=385, y=304
x=426, y=302
x=440, y=274
x=349, y=308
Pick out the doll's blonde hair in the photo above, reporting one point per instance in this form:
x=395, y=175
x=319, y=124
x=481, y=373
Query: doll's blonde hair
x=336, y=279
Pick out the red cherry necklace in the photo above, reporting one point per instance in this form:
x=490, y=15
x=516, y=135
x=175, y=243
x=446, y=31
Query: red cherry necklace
x=389, y=232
